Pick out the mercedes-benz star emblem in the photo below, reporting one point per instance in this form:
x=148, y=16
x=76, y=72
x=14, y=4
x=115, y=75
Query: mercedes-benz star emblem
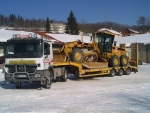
x=21, y=68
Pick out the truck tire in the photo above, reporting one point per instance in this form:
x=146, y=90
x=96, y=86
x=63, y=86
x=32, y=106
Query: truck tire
x=128, y=71
x=18, y=85
x=49, y=78
x=120, y=72
x=77, y=55
x=65, y=76
x=112, y=73
x=48, y=83
x=115, y=61
x=123, y=60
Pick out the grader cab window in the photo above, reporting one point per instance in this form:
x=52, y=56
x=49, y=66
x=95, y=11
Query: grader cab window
x=104, y=42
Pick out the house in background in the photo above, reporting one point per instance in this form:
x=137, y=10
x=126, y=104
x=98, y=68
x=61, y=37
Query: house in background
x=57, y=28
x=129, y=32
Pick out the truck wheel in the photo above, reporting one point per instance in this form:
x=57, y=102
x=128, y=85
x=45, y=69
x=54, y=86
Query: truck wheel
x=47, y=84
x=77, y=55
x=65, y=76
x=123, y=60
x=115, y=61
x=112, y=73
x=128, y=71
x=120, y=72
x=18, y=85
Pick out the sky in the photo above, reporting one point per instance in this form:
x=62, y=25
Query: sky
x=125, y=12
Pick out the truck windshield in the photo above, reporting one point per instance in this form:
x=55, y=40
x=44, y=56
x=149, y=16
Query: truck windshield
x=23, y=50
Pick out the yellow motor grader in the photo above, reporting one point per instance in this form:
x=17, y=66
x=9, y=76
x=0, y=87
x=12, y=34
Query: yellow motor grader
x=100, y=50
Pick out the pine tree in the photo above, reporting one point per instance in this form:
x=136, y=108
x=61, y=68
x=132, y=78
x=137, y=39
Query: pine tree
x=72, y=26
x=47, y=25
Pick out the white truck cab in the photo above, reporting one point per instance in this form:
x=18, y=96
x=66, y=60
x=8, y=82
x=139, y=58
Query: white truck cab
x=28, y=59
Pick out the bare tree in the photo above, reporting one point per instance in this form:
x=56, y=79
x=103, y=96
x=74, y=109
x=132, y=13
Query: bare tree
x=141, y=22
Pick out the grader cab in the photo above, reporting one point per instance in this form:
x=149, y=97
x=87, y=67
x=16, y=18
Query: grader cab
x=100, y=50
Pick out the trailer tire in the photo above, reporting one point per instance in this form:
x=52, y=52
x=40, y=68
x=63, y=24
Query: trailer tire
x=65, y=76
x=112, y=73
x=77, y=73
x=120, y=72
x=123, y=60
x=18, y=85
x=115, y=61
x=128, y=71
x=77, y=55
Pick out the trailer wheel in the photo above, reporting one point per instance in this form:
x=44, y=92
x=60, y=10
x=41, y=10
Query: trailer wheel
x=65, y=76
x=77, y=55
x=128, y=71
x=124, y=60
x=115, y=61
x=120, y=72
x=18, y=85
x=77, y=73
x=112, y=73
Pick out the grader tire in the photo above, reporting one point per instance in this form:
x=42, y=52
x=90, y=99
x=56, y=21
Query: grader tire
x=77, y=55
x=115, y=61
x=123, y=60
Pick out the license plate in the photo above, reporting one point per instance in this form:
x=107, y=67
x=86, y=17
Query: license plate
x=22, y=76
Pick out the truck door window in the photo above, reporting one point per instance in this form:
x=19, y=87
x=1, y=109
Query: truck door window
x=46, y=49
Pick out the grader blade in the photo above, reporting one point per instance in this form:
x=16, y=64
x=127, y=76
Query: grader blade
x=58, y=56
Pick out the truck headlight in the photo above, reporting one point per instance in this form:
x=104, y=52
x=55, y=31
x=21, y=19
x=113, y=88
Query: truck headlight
x=37, y=75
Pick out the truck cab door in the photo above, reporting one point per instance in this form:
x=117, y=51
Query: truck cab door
x=47, y=59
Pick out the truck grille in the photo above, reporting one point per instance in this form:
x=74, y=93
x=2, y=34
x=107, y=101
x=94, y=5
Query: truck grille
x=21, y=68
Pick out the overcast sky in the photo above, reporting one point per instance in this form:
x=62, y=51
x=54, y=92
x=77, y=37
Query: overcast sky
x=89, y=11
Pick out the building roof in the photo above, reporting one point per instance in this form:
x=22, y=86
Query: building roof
x=56, y=38
x=142, y=38
x=69, y=38
x=133, y=31
x=7, y=34
x=110, y=31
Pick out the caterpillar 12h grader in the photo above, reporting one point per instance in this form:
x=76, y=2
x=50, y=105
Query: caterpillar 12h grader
x=100, y=50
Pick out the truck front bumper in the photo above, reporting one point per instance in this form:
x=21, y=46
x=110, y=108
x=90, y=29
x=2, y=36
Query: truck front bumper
x=24, y=77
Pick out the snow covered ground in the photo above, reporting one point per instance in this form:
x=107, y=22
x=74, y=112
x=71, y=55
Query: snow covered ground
x=119, y=94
